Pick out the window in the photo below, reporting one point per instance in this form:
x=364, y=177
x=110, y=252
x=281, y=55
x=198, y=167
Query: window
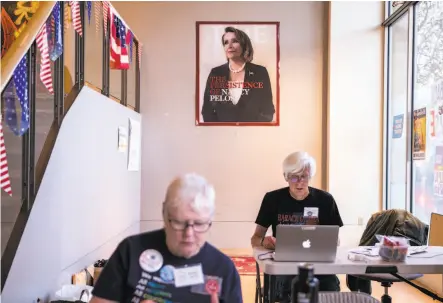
x=427, y=165
x=398, y=113
x=394, y=6
x=414, y=156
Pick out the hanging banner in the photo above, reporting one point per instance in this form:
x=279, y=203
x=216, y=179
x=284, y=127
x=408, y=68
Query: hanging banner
x=419, y=134
x=4, y=170
x=119, y=58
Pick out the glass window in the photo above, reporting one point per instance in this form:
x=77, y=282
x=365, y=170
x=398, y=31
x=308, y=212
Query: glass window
x=397, y=114
x=394, y=6
x=427, y=168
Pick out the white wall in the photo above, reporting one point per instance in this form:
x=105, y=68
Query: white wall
x=355, y=106
x=242, y=162
x=86, y=203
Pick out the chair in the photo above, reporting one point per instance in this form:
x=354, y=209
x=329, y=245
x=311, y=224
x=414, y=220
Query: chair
x=345, y=297
x=392, y=222
x=386, y=281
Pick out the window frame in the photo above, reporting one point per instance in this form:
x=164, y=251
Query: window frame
x=409, y=8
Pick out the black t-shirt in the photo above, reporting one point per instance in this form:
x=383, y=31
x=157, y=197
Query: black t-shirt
x=279, y=207
x=123, y=279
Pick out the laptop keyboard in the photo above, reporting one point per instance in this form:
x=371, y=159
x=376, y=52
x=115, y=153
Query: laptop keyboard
x=345, y=297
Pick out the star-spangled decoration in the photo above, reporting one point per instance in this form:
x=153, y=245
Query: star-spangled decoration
x=20, y=82
x=89, y=7
x=119, y=58
x=55, y=41
x=121, y=31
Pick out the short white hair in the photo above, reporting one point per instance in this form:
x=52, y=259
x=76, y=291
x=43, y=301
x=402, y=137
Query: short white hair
x=191, y=189
x=297, y=162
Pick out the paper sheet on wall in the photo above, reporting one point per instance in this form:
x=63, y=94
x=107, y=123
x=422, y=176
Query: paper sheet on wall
x=122, y=139
x=134, y=145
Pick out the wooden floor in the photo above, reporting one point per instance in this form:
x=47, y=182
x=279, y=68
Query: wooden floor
x=399, y=292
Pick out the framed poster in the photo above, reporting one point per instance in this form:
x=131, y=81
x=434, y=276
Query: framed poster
x=419, y=134
x=237, y=73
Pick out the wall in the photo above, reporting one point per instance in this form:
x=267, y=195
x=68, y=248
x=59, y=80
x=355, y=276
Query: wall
x=242, y=162
x=86, y=203
x=245, y=162
x=355, y=108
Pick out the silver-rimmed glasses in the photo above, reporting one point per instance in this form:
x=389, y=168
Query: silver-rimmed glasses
x=199, y=227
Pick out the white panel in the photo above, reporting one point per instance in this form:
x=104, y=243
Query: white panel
x=87, y=198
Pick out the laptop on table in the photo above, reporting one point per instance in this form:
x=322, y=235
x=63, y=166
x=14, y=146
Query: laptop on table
x=306, y=243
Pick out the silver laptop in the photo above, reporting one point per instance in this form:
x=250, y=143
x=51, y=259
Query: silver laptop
x=306, y=243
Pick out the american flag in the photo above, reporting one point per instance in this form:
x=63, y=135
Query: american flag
x=4, y=170
x=21, y=89
x=97, y=8
x=45, y=63
x=130, y=36
x=20, y=81
x=55, y=41
x=140, y=45
x=119, y=52
x=67, y=17
x=76, y=18
x=89, y=7
x=105, y=16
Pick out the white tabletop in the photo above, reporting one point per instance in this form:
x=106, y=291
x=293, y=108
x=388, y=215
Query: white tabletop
x=430, y=262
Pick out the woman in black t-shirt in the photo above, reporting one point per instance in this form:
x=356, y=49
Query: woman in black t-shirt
x=296, y=204
x=175, y=263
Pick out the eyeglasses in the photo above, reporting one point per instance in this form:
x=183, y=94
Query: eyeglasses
x=295, y=179
x=199, y=227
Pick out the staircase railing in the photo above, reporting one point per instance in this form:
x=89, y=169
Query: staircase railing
x=29, y=154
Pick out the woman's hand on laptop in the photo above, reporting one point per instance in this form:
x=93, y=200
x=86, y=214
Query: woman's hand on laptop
x=269, y=242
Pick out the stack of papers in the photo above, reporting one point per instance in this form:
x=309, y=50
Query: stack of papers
x=372, y=251
x=367, y=251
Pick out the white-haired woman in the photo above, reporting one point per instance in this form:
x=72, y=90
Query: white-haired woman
x=298, y=204
x=175, y=263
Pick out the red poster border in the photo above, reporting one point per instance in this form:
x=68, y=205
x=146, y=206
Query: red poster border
x=197, y=75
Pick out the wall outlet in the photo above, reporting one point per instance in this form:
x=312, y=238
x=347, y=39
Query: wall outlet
x=360, y=221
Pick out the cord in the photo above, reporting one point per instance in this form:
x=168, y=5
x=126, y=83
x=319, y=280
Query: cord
x=422, y=289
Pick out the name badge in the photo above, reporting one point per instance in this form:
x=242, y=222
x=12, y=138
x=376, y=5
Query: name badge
x=310, y=212
x=189, y=275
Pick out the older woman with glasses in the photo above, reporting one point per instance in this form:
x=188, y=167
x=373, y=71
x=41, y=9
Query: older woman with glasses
x=296, y=204
x=175, y=263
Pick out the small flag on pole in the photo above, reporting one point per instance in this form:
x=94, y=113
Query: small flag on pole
x=45, y=63
x=76, y=18
x=67, y=15
x=140, y=45
x=97, y=8
x=105, y=16
x=119, y=58
x=4, y=169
